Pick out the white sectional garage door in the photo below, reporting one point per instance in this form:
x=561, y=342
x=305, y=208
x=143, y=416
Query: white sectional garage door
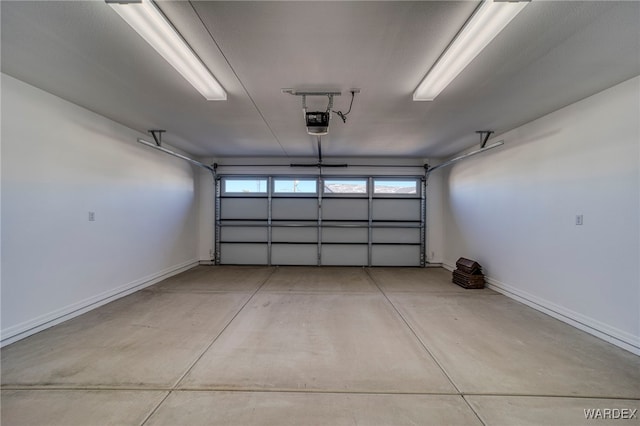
x=284, y=220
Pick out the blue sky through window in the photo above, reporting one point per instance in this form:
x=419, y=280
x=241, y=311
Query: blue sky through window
x=245, y=185
x=295, y=186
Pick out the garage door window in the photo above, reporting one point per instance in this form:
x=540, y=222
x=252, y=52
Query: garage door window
x=295, y=186
x=395, y=187
x=345, y=186
x=244, y=186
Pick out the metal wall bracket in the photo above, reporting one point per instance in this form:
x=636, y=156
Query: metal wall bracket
x=484, y=136
x=157, y=136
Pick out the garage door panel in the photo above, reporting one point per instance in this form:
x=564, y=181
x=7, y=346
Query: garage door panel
x=244, y=254
x=395, y=255
x=244, y=233
x=396, y=209
x=344, y=235
x=345, y=254
x=294, y=254
x=294, y=209
x=396, y=235
x=345, y=209
x=244, y=208
x=294, y=235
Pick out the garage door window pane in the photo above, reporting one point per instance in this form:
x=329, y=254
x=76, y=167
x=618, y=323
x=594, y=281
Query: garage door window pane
x=294, y=186
x=345, y=186
x=398, y=187
x=245, y=186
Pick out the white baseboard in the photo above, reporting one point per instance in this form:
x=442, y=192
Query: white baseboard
x=617, y=337
x=20, y=331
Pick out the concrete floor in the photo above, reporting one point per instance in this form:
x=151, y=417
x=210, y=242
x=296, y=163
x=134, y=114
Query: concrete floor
x=314, y=346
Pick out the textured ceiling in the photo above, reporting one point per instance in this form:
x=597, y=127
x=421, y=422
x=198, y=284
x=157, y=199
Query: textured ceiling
x=552, y=54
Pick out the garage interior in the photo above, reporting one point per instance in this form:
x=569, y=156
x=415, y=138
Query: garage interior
x=267, y=234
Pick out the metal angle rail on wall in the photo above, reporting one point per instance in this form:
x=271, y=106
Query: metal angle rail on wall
x=175, y=154
x=462, y=157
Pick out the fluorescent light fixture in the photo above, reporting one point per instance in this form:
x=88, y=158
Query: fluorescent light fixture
x=486, y=23
x=148, y=21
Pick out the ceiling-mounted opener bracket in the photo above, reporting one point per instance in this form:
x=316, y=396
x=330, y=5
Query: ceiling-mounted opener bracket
x=317, y=122
x=157, y=135
x=484, y=136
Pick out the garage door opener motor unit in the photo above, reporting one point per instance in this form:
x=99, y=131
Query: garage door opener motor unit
x=317, y=122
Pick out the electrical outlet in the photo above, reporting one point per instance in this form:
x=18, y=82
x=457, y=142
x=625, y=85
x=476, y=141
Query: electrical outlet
x=433, y=254
x=211, y=253
x=92, y=216
x=578, y=219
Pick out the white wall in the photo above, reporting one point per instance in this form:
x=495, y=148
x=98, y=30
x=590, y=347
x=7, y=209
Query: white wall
x=60, y=161
x=435, y=218
x=206, y=215
x=514, y=208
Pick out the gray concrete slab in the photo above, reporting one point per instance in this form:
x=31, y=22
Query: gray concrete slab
x=295, y=409
x=535, y=411
x=418, y=280
x=216, y=279
x=491, y=344
x=325, y=279
x=328, y=334
x=77, y=407
x=145, y=340
x=333, y=342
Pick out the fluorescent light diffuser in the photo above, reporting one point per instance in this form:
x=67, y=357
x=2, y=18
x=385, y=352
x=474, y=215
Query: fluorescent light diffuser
x=151, y=24
x=486, y=23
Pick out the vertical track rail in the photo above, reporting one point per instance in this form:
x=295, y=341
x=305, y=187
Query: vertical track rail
x=269, y=216
x=370, y=225
x=423, y=221
x=218, y=228
x=320, y=191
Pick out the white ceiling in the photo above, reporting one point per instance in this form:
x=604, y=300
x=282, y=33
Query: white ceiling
x=551, y=55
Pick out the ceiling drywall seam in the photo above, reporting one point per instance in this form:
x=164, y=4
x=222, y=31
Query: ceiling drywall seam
x=239, y=80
